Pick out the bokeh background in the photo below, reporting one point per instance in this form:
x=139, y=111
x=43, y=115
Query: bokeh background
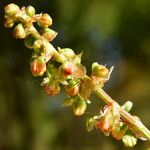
x=112, y=32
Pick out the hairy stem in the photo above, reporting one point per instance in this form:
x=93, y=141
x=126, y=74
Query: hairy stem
x=134, y=123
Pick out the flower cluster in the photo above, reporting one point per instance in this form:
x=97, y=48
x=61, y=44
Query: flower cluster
x=63, y=68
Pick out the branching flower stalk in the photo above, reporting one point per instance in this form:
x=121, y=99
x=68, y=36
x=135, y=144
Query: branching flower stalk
x=63, y=67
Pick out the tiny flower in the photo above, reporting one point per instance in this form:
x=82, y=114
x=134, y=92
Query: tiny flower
x=109, y=118
x=8, y=22
x=72, y=88
x=45, y=21
x=67, y=52
x=38, y=66
x=119, y=130
x=30, y=11
x=37, y=45
x=49, y=34
x=52, y=89
x=129, y=140
x=90, y=123
x=19, y=32
x=11, y=9
x=99, y=70
x=69, y=68
x=79, y=106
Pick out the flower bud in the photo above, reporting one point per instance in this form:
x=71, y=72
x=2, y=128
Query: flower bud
x=30, y=11
x=52, y=89
x=67, y=52
x=8, y=22
x=67, y=102
x=127, y=106
x=19, y=32
x=119, y=131
x=90, y=123
x=49, y=34
x=129, y=140
x=11, y=9
x=99, y=70
x=38, y=66
x=79, y=106
x=29, y=41
x=72, y=88
x=45, y=21
x=69, y=68
x=37, y=45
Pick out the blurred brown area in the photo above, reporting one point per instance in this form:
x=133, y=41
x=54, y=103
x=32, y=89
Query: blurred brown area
x=111, y=32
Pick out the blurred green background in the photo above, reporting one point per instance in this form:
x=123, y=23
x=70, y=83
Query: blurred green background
x=112, y=32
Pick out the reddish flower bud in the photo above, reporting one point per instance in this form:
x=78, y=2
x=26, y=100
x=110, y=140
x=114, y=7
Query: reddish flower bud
x=52, y=89
x=119, y=131
x=45, y=21
x=72, y=88
x=49, y=34
x=69, y=68
x=38, y=66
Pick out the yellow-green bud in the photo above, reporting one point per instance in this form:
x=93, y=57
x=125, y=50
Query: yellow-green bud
x=99, y=70
x=67, y=102
x=49, y=34
x=19, y=32
x=90, y=123
x=45, y=21
x=29, y=41
x=30, y=11
x=79, y=106
x=129, y=140
x=67, y=52
x=11, y=9
x=127, y=106
x=8, y=22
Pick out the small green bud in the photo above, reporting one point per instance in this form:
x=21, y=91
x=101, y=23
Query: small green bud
x=129, y=140
x=127, y=106
x=99, y=70
x=29, y=41
x=67, y=102
x=37, y=45
x=8, y=22
x=49, y=34
x=19, y=32
x=67, y=52
x=90, y=123
x=79, y=106
x=30, y=11
x=11, y=9
x=45, y=21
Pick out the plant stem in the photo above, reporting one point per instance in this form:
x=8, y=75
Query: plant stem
x=135, y=124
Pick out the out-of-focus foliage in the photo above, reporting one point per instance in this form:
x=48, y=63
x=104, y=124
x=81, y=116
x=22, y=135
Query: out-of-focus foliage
x=110, y=32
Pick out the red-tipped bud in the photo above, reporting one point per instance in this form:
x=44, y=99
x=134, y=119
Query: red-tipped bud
x=11, y=9
x=8, y=22
x=119, y=131
x=52, y=89
x=49, y=34
x=72, y=88
x=38, y=66
x=69, y=68
x=45, y=21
